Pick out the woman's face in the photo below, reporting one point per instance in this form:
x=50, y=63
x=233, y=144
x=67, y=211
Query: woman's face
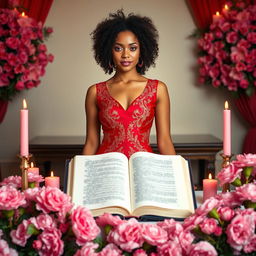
x=126, y=51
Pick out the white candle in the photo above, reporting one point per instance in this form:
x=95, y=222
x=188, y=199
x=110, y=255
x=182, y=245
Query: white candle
x=226, y=130
x=52, y=181
x=209, y=187
x=24, y=130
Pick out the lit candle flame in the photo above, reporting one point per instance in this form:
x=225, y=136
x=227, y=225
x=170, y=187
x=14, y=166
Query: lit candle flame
x=32, y=165
x=25, y=106
x=210, y=176
x=226, y=7
x=23, y=14
x=218, y=13
x=52, y=175
x=226, y=105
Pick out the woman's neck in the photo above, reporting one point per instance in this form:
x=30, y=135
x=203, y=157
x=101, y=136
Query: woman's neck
x=127, y=76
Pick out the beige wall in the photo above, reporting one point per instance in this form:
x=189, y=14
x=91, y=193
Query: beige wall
x=57, y=105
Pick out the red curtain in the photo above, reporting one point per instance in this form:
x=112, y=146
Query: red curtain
x=203, y=10
x=247, y=107
x=37, y=9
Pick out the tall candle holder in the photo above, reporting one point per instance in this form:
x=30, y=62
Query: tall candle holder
x=24, y=165
x=225, y=162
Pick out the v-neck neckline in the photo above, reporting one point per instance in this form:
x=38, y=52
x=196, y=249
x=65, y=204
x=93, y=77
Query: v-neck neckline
x=132, y=100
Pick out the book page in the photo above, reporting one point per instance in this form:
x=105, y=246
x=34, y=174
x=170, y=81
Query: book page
x=100, y=181
x=159, y=181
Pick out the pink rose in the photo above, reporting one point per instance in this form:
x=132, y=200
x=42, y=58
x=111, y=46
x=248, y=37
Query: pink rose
x=83, y=225
x=232, y=37
x=154, y=234
x=171, y=248
x=226, y=213
x=30, y=193
x=50, y=199
x=185, y=239
x=251, y=37
x=50, y=57
x=44, y=221
x=32, y=177
x=139, y=252
x=207, y=206
x=20, y=235
x=127, y=235
x=12, y=42
x=20, y=85
x=251, y=246
x=172, y=228
x=51, y=242
x=244, y=83
x=229, y=174
x=37, y=244
x=110, y=250
x=11, y=198
x=247, y=192
x=14, y=181
x=240, y=231
x=244, y=160
x=192, y=221
x=108, y=219
x=228, y=199
x=202, y=248
x=208, y=226
x=5, y=250
x=87, y=250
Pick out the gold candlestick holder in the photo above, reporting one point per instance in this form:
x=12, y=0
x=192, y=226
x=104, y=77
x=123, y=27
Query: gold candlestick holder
x=225, y=162
x=24, y=165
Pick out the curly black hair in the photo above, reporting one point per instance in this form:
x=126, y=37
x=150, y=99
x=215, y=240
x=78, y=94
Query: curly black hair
x=106, y=32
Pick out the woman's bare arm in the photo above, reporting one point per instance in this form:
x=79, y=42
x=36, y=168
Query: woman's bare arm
x=164, y=140
x=92, y=140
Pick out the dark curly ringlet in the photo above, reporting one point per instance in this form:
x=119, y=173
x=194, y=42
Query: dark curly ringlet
x=106, y=32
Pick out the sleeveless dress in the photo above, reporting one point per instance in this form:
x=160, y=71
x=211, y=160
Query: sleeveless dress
x=126, y=131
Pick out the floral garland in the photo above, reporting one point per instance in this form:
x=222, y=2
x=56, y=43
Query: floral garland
x=43, y=221
x=228, y=50
x=23, y=54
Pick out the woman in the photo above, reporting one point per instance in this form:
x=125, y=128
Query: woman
x=126, y=104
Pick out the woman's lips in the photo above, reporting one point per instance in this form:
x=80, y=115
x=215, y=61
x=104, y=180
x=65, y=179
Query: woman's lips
x=126, y=63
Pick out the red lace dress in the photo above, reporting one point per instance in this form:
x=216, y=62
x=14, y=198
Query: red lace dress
x=126, y=131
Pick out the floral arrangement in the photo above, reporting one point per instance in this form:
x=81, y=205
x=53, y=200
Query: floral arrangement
x=43, y=221
x=23, y=54
x=227, y=51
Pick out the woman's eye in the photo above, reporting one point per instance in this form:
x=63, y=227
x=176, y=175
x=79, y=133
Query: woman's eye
x=117, y=48
x=133, y=48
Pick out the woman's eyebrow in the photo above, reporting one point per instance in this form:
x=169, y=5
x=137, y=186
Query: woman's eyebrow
x=116, y=43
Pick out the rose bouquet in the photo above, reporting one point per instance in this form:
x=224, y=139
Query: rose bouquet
x=43, y=221
x=23, y=54
x=228, y=50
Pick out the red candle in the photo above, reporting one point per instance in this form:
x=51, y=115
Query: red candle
x=52, y=181
x=225, y=9
x=24, y=130
x=209, y=187
x=226, y=130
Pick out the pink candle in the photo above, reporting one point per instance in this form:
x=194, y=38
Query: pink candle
x=52, y=181
x=225, y=10
x=33, y=169
x=209, y=187
x=226, y=130
x=24, y=130
x=216, y=17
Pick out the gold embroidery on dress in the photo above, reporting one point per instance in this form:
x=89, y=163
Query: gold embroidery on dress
x=126, y=130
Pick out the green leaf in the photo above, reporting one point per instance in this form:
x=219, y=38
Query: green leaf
x=32, y=230
x=32, y=184
x=8, y=213
x=237, y=182
x=247, y=171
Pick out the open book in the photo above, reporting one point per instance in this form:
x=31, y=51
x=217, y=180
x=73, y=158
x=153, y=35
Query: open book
x=147, y=184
